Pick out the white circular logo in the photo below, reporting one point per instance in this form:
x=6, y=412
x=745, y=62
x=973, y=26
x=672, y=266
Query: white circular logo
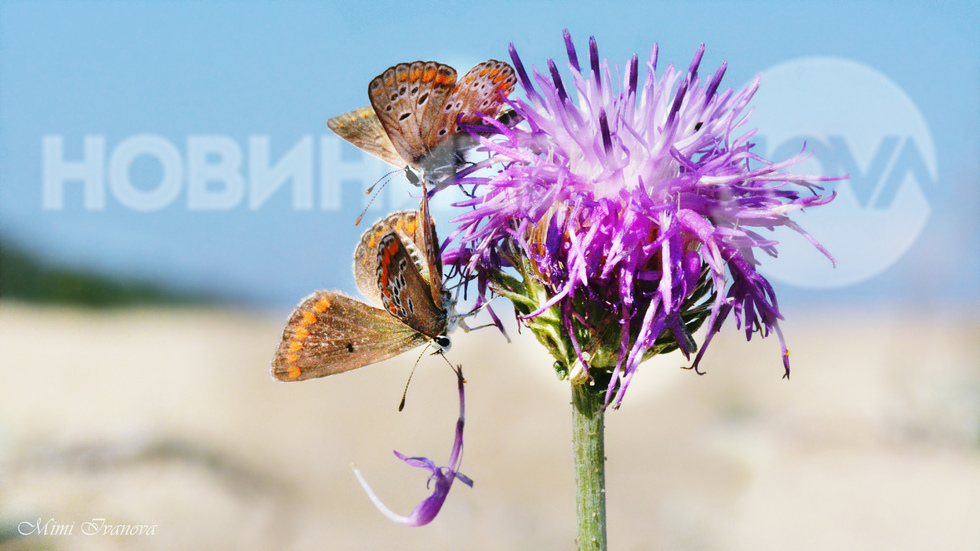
x=854, y=121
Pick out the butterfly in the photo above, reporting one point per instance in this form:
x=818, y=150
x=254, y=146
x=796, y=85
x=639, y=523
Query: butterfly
x=397, y=267
x=415, y=112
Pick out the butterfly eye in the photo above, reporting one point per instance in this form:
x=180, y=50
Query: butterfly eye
x=443, y=343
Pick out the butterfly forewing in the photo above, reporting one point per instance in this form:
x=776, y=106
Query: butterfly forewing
x=405, y=293
x=362, y=128
x=331, y=333
x=407, y=99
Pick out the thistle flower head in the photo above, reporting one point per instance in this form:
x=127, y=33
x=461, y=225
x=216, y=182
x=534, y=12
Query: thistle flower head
x=630, y=211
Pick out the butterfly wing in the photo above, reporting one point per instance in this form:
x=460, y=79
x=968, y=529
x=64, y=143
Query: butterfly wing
x=362, y=128
x=407, y=99
x=405, y=293
x=428, y=243
x=482, y=90
x=405, y=225
x=332, y=333
x=421, y=243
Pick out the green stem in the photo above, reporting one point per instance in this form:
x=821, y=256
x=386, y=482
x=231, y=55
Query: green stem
x=590, y=470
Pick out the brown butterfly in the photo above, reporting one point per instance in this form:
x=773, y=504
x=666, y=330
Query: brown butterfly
x=398, y=269
x=413, y=120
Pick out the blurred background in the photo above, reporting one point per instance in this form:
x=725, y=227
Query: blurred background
x=169, y=191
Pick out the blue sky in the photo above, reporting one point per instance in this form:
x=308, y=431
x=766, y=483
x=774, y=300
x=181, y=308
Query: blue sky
x=260, y=79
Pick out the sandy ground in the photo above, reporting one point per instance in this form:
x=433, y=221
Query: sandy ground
x=168, y=418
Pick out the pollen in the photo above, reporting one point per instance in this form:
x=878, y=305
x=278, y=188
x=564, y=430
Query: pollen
x=322, y=305
x=293, y=372
x=309, y=318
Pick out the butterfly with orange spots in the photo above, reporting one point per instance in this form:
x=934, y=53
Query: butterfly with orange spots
x=398, y=269
x=415, y=112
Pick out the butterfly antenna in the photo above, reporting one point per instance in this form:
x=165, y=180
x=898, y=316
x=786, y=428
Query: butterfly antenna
x=401, y=404
x=409, y=174
x=383, y=181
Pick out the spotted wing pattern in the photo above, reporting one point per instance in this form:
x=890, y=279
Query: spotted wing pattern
x=406, y=99
x=406, y=226
x=405, y=294
x=412, y=119
x=482, y=90
x=332, y=333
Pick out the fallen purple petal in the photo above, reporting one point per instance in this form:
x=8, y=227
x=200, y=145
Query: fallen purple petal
x=427, y=510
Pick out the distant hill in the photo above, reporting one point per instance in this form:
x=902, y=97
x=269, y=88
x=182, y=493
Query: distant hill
x=25, y=278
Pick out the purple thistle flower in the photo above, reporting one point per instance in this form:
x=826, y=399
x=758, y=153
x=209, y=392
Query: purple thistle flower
x=623, y=211
x=427, y=510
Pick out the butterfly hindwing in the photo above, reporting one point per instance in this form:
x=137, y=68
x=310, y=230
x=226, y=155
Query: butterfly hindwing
x=482, y=90
x=332, y=333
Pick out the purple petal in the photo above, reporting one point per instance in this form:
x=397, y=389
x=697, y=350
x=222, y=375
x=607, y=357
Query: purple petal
x=427, y=510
